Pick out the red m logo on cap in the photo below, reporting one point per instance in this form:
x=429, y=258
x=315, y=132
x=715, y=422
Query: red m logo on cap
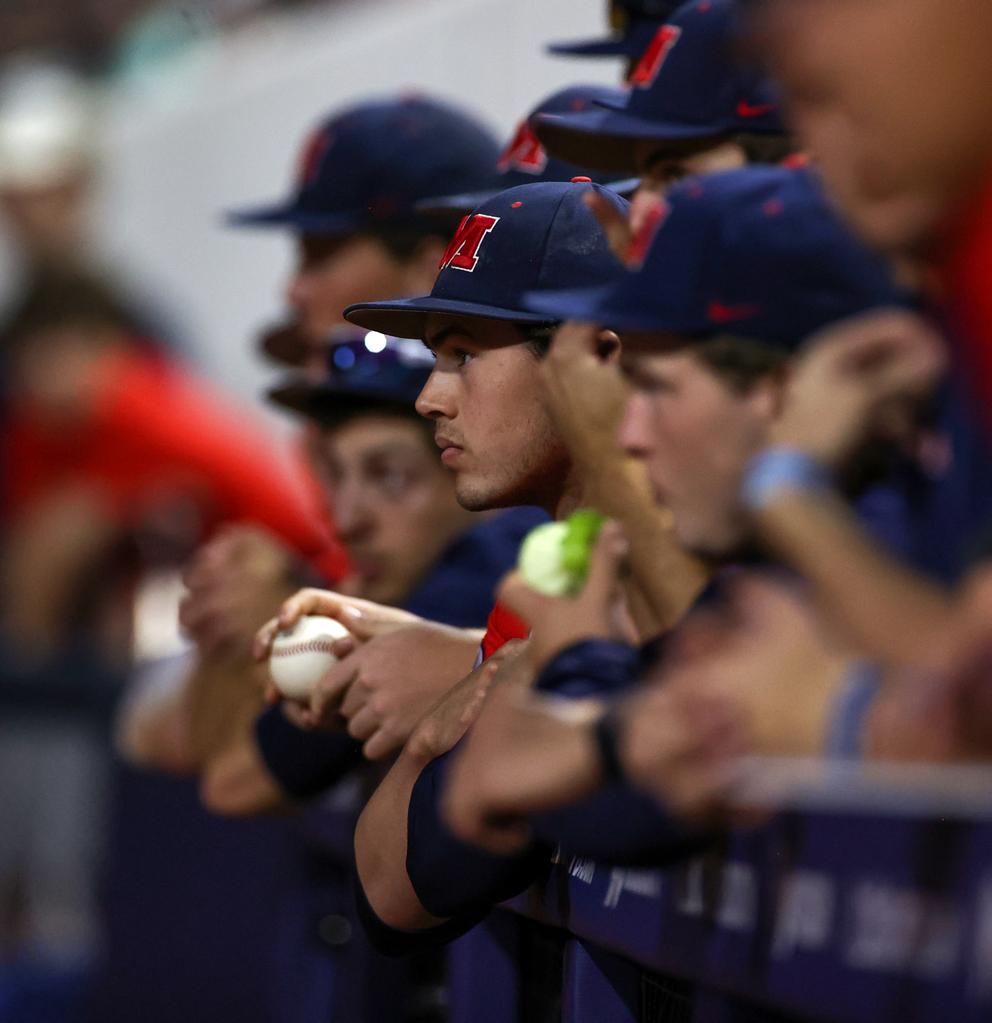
x=524, y=152
x=647, y=68
x=642, y=238
x=462, y=252
x=314, y=150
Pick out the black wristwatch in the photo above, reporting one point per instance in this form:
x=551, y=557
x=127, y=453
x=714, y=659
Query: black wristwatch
x=607, y=733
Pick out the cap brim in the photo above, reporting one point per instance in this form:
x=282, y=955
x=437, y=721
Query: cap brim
x=286, y=345
x=446, y=204
x=288, y=215
x=605, y=138
x=586, y=304
x=612, y=46
x=601, y=306
x=624, y=187
x=466, y=203
x=325, y=403
x=408, y=317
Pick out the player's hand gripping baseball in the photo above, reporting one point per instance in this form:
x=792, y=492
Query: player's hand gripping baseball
x=390, y=669
x=456, y=711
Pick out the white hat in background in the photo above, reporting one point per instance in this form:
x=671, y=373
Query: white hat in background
x=48, y=126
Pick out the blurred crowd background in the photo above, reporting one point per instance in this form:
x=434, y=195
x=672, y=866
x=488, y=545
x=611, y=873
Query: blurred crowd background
x=127, y=129
x=192, y=109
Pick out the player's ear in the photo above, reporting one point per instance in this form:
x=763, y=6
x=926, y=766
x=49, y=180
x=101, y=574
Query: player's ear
x=608, y=346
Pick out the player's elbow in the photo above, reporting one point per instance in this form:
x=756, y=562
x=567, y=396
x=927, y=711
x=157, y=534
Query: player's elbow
x=385, y=883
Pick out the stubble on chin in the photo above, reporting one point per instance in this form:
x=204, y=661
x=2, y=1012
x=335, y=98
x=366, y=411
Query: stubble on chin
x=475, y=497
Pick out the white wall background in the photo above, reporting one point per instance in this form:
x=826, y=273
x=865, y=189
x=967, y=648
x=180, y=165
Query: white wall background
x=223, y=130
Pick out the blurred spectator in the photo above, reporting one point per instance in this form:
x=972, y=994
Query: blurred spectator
x=90, y=34
x=115, y=462
x=48, y=156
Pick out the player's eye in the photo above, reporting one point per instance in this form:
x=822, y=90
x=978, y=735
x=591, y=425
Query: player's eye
x=392, y=479
x=462, y=356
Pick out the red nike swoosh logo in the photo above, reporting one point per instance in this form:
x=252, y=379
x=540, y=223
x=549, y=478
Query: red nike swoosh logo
x=745, y=109
x=717, y=312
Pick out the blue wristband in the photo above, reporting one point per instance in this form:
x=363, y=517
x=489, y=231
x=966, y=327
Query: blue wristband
x=776, y=470
x=844, y=739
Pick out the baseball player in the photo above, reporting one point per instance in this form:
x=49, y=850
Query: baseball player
x=524, y=160
x=360, y=174
x=485, y=401
x=633, y=24
x=691, y=108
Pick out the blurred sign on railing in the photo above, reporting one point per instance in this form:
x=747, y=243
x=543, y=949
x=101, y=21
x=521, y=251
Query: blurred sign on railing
x=868, y=898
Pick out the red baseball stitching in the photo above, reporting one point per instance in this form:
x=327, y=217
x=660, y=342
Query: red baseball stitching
x=312, y=646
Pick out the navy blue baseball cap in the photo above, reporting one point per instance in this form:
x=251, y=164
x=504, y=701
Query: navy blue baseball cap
x=688, y=85
x=758, y=253
x=524, y=159
x=371, y=163
x=369, y=372
x=634, y=23
x=530, y=238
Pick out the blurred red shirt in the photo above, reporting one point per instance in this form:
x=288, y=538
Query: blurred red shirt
x=155, y=434
x=967, y=279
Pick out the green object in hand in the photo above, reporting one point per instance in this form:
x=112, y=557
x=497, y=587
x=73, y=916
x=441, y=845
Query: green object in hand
x=554, y=558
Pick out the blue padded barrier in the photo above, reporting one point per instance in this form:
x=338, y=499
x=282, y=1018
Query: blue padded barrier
x=836, y=915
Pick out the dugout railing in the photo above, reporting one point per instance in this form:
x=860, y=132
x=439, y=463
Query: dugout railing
x=864, y=896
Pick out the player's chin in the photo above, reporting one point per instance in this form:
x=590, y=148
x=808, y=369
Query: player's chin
x=712, y=536
x=476, y=494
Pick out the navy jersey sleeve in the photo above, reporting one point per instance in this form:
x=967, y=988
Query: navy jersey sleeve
x=620, y=825
x=592, y=667
x=303, y=763
x=451, y=878
x=461, y=588
x=390, y=941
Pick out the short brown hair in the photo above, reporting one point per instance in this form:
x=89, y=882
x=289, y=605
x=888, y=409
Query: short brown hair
x=739, y=362
x=58, y=297
x=537, y=336
x=765, y=147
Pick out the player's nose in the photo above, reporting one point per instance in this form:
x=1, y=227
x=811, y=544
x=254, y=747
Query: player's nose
x=353, y=515
x=634, y=433
x=436, y=400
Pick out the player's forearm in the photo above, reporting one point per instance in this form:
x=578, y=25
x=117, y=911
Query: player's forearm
x=887, y=611
x=381, y=845
x=274, y=764
x=667, y=578
x=222, y=697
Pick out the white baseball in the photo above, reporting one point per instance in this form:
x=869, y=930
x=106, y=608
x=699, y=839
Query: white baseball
x=302, y=655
